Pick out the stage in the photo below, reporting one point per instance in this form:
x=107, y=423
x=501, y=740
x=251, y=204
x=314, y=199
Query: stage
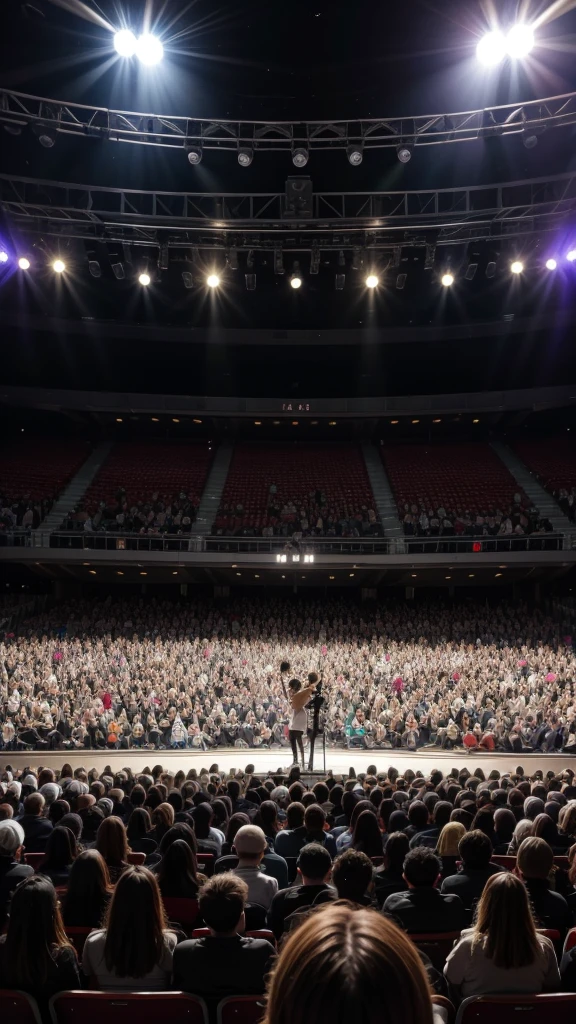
x=269, y=761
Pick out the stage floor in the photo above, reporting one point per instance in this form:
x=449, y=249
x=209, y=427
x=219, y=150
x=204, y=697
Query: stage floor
x=266, y=761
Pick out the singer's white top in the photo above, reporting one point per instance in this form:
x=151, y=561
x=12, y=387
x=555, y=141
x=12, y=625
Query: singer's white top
x=299, y=720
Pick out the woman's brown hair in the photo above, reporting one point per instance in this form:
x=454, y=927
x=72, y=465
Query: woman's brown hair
x=112, y=842
x=344, y=964
x=135, y=924
x=163, y=815
x=35, y=932
x=504, y=923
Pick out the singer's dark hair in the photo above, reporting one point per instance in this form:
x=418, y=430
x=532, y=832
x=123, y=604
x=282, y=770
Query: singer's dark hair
x=284, y=666
x=295, y=684
x=312, y=678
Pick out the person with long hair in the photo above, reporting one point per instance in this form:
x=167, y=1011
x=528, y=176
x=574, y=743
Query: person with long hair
x=447, y=847
x=88, y=893
x=345, y=964
x=112, y=843
x=366, y=835
x=139, y=832
x=162, y=819
x=390, y=877
x=503, y=952
x=134, y=949
x=35, y=955
x=61, y=852
x=177, y=872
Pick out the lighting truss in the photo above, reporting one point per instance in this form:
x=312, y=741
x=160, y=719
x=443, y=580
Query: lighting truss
x=355, y=221
x=20, y=109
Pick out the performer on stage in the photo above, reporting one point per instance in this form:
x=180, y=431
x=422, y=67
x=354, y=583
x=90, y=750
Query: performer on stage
x=299, y=697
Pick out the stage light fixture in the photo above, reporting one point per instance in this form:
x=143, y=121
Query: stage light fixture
x=519, y=41
x=470, y=271
x=491, y=49
x=551, y=264
x=490, y=268
x=571, y=255
x=149, y=50
x=3, y=256
x=59, y=266
x=144, y=280
x=119, y=271
x=46, y=136
x=213, y=280
x=94, y=268
x=278, y=261
x=194, y=155
x=295, y=558
x=281, y=558
x=24, y=263
x=232, y=258
x=447, y=280
x=315, y=260
x=164, y=257
x=401, y=281
x=529, y=140
x=371, y=281
x=339, y=282
x=245, y=156
x=309, y=558
x=355, y=155
x=125, y=43
x=404, y=152
x=250, y=282
x=296, y=278
x=300, y=156
x=517, y=267
x=187, y=279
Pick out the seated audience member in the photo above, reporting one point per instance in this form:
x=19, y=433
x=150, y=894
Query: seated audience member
x=440, y=817
x=11, y=870
x=36, y=828
x=88, y=894
x=235, y=822
x=521, y=832
x=366, y=835
x=504, y=825
x=112, y=843
x=347, y=964
x=390, y=877
x=209, y=839
x=503, y=952
x=535, y=864
x=250, y=845
x=177, y=872
x=475, y=851
x=344, y=838
x=352, y=878
x=314, y=868
x=290, y=841
x=133, y=951
x=35, y=955
x=61, y=852
x=226, y=962
x=447, y=847
x=422, y=908
x=138, y=832
x=162, y=819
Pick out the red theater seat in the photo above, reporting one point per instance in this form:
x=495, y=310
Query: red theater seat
x=240, y=1010
x=39, y=470
x=540, y=1009
x=120, y=1007
x=18, y=1008
x=553, y=461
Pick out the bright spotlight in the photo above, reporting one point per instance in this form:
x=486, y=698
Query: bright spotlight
x=571, y=255
x=371, y=281
x=355, y=155
x=24, y=263
x=519, y=41
x=404, y=153
x=491, y=49
x=125, y=43
x=59, y=266
x=245, y=156
x=144, y=279
x=447, y=280
x=551, y=264
x=212, y=280
x=517, y=267
x=3, y=256
x=295, y=281
x=300, y=156
x=194, y=155
x=149, y=50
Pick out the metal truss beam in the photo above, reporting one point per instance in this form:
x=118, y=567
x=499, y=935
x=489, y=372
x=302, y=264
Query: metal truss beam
x=17, y=110
x=258, y=220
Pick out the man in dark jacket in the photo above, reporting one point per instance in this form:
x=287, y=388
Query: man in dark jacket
x=36, y=828
x=475, y=850
x=422, y=908
x=314, y=867
x=11, y=870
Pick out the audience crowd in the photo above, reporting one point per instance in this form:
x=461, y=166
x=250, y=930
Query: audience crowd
x=318, y=899
x=136, y=673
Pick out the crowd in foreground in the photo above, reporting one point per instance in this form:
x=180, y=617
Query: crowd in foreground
x=334, y=879
x=136, y=673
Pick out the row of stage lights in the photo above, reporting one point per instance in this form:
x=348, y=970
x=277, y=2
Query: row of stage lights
x=214, y=280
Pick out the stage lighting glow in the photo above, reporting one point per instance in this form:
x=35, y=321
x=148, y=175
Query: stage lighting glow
x=3, y=256
x=571, y=255
x=144, y=280
x=491, y=49
x=125, y=43
x=447, y=280
x=149, y=50
x=517, y=267
x=519, y=41
x=551, y=264
x=371, y=281
x=194, y=155
x=24, y=263
x=300, y=156
x=212, y=280
x=59, y=266
x=295, y=281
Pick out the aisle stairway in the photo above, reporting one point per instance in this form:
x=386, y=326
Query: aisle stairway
x=385, y=503
x=212, y=494
x=540, y=498
x=74, y=492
